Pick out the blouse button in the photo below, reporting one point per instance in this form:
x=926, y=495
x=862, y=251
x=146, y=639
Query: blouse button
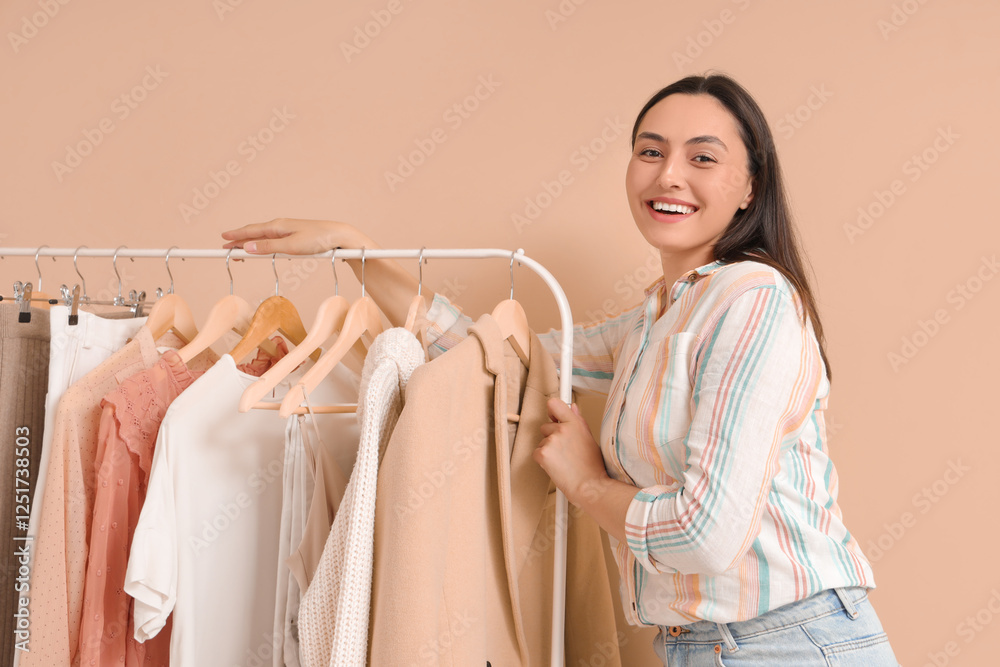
x=692, y=277
x=103, y=526
x=121, y=482
x=98, y=573
x=114, y=524
x=104, y=483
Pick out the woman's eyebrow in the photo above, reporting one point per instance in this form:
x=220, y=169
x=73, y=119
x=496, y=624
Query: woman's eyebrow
x=701, y=139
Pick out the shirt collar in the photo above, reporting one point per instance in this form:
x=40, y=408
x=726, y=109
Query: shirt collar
x=691, y=276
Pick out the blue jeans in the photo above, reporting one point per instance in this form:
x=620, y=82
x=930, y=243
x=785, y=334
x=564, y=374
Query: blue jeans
x=836, y=627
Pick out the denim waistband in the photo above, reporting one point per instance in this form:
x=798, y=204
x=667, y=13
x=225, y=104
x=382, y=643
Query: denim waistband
x=824, y=603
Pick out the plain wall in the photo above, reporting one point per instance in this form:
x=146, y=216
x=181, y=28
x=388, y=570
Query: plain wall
x=884, y=115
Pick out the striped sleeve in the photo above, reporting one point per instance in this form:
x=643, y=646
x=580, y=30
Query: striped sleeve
x=595, y=345
x=757, y=374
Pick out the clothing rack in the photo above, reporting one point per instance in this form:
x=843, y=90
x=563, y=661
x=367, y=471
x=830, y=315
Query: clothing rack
x=566, y=355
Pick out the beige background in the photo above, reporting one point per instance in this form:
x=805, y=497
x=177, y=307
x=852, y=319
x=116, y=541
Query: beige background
x=853, y=91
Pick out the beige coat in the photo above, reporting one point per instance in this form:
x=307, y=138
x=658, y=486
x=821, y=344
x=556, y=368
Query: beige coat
x=465, y=521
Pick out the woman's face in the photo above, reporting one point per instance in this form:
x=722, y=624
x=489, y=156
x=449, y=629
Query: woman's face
x=688, y=153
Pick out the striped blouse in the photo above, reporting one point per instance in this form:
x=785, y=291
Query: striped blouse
x=716, y=396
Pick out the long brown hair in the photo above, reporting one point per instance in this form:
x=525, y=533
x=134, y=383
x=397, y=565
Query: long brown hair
x=763, y=231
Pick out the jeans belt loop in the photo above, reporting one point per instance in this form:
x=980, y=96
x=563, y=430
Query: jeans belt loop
x=727, y=638
x=849, y=607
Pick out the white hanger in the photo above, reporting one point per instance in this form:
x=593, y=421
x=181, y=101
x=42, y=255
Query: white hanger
x=363, y=320
x=513, y=323
x=329, y=319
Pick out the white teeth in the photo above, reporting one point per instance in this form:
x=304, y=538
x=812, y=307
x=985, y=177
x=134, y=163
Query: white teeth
x=675, y=208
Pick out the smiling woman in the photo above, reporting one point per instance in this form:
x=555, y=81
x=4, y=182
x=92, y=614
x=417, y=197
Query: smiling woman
x=711, y=474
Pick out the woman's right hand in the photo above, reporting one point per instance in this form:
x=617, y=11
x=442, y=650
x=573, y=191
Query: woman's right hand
x=391, y=286
x=295, y=237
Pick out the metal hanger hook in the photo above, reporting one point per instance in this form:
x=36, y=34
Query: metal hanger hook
x=512, y=274
x=420, y=271
x=114, y=262
x=229, y=271
x=275, y=269
x=166, y=260
x=77, y=269
x=336, y=280
x=362, y=272
x=37, y=268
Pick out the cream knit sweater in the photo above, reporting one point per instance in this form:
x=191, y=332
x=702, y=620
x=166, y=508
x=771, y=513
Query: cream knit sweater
x=333, y=616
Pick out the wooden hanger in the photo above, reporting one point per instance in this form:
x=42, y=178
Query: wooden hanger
x=416, y=316
x=170, y=312
x=513, y=323
x=231, y=313
x=274, y=314
x=329, y=319
x=363, y=320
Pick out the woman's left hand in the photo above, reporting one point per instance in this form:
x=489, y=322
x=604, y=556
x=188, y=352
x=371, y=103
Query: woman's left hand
x=569, y=453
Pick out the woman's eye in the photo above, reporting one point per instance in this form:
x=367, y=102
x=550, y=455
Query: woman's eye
x=650, y=152
x=704, y=158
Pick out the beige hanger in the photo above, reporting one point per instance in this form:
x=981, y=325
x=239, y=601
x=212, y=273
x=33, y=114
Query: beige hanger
x=329, y=319
x=363, y=320
x=170, y=312
x=513, y=323
x=231, y=313
x=274, y=314
x=416, y=316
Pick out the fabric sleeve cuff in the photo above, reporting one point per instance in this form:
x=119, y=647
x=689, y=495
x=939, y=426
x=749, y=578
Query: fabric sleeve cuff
x=644, y=530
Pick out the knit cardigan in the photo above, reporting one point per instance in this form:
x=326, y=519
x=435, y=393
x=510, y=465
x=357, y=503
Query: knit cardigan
x=333, y=616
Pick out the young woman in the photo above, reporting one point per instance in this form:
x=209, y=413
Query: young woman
x=712, y=475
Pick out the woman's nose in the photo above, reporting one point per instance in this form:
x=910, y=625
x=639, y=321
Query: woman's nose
x=670, y=175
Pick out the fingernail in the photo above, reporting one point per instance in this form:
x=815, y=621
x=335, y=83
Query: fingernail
x=250, y=247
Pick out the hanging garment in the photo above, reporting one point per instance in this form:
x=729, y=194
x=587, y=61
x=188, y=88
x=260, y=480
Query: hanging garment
x=57, y=578
x=129, y=424
x=24, y=370
x=327, y=460
x=333, y=617
x=206, y=545
x=75, y=351
x=465, y=521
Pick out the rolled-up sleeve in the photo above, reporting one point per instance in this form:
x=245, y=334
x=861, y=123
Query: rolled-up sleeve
x=756, y=375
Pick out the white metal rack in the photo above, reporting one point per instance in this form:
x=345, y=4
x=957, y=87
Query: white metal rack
x=566, y=358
